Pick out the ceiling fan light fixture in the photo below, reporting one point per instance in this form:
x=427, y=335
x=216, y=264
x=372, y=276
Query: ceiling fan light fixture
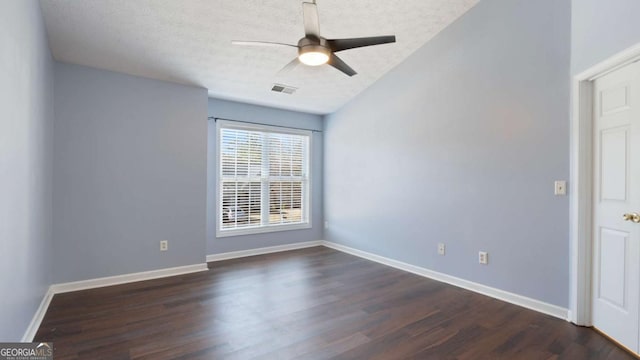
x=314, y=55
x=315, y=50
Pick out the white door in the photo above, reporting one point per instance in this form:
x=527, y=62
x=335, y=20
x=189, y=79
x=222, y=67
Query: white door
x=616, y=247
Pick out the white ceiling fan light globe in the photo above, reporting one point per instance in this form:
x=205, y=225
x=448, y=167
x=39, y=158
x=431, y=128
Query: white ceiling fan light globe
x=312, y=54
x=313, y=58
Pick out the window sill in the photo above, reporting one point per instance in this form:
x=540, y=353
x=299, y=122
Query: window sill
x=261, y=230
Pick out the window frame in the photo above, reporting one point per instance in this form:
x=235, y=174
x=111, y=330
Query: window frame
x=306, y=196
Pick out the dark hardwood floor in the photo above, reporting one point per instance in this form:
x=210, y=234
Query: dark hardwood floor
x=314, y=303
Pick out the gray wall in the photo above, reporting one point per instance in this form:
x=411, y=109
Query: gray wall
x=461, y=144
x=130, y=170
x=602, y=28
x=269, y=116
x=26, y=138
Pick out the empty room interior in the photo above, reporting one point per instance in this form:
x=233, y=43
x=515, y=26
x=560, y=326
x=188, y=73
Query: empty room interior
x=320, y=179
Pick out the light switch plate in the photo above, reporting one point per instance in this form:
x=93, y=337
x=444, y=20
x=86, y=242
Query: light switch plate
x=560, y=187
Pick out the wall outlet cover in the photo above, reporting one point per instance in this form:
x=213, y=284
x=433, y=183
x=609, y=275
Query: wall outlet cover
x=483, y=257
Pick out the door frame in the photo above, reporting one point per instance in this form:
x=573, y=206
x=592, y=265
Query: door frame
x=581, y=187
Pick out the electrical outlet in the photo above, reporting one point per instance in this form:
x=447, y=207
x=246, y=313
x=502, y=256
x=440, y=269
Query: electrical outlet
x=483, y=257
x=164, y=245
x=441, y=249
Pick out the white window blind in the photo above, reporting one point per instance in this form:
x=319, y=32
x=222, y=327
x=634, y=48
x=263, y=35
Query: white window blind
x=263, y=179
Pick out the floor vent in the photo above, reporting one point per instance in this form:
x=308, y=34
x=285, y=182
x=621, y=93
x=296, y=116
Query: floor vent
x=283, y=89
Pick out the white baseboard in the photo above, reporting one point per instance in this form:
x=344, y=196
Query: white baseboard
x=126, y=278
x=34, y=325
x=262, y=251
x=529, y=303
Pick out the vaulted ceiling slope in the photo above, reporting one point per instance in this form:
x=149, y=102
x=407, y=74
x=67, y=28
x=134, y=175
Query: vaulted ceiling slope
x=189, y=41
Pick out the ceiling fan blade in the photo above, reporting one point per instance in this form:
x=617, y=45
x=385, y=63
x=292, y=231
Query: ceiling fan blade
x=337, y=63
x=260, y=43
x=311, y=20
x=345, y=44
x=289, y=67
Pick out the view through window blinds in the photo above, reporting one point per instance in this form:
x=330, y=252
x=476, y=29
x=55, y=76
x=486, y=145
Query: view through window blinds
x=263, y=178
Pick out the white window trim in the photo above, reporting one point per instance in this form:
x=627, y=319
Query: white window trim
x=264, y=228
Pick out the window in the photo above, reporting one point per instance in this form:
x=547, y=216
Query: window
x=263, y=178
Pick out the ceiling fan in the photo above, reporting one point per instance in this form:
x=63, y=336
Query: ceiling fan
x=314, y=50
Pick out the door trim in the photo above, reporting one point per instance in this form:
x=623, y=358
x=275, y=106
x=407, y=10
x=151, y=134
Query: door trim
x=580, y=202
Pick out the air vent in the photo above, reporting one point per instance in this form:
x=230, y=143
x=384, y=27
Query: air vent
x=283, y=89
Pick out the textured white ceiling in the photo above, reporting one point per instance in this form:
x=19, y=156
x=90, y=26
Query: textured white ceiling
x=189, y=41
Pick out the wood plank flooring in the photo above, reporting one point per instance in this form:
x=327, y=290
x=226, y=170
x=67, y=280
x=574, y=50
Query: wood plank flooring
x=314, y=303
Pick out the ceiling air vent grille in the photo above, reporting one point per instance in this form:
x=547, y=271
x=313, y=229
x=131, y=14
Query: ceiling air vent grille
x=286, y=89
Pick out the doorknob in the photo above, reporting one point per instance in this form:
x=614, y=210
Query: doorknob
x=634, y=217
